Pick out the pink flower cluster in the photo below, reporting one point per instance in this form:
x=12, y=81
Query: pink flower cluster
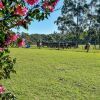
x=2, y=89
x=21, y=43
x=48, y=6
x=12, y=38
x=21, y=10
x=15, y=37
x=55, y=3
x=31, y=2
x=1, y=5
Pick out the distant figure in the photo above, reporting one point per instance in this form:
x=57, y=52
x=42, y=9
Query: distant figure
x=87, y=47
x=39, y=44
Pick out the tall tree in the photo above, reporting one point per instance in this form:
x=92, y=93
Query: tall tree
x=94, y=21
x=73, y=17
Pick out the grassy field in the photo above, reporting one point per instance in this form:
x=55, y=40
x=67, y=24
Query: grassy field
x=48, y=74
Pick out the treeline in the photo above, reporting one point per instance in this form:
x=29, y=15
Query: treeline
x=82, y=18
x=59, y=37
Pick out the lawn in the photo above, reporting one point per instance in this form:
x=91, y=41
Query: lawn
x=48, y=74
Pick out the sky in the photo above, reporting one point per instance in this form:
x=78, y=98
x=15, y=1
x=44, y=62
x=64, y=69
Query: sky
x=46, y=26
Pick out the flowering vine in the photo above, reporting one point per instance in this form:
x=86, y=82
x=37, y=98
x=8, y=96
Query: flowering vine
x=13, y=14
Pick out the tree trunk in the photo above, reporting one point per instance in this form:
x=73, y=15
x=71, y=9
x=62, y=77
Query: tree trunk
x=77, y=40
x=58, y=45
x=95, y=44
x=99, y=40
x=77, y=30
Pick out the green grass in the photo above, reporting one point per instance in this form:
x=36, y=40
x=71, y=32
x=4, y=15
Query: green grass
x=48, y=74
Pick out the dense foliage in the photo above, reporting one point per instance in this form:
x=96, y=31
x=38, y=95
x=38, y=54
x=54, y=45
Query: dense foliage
x=80, y=16
x=32, y=39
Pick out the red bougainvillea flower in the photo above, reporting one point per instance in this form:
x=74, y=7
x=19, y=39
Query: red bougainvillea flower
x=13, y=37
x=21, y=10
x=55, y=3
x=46, y=5
x=2, y=90
x=21, y=43
x=31, y=2
x=1, y=5
x=51, y=8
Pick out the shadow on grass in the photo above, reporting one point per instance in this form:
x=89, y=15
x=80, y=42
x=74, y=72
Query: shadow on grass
x=69, y=50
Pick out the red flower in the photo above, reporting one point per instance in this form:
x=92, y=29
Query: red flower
x=1, y=5
x=51, y=8
x=21, y=10
x=46, y=5
x=31, y=2
x=2, y=90
x=55, y=3
x=21, y=43
x=13, y=37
